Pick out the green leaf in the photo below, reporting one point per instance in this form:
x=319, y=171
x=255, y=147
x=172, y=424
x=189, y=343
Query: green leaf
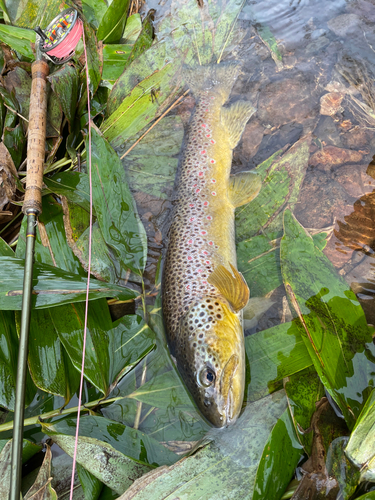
x=93, y=59
x=144, y=40
x=227, y=466
x=115, y=57
x=115, y=207
x=94, y=10
x=38, y=13
x=274, y=354
x=19, y=39
x=132, y=29
x=132, y=443
x=51, y=286
x=367, y=496
x=280, y=457
x=15, y=140
x=112, y=467
x=28, y=450
x=151, y=166
x=64, y=82
x=361, y=446
x=132, y=113
x=112, y=349
x=281, y=182
x=49, y=365
x=333, y=326
x=73, y=185
x=113, y=22
x=339, y=466
x=8, y=363
x=91, y=485
x=303, y=390
x=259, y=262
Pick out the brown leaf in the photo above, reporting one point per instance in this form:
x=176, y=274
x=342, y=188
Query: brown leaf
x=7, y=174
x=42, y=489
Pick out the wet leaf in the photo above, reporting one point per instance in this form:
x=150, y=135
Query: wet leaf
x=15, y=140
x=144, y=40
x=18, y=83
x=73, y=185
x=91, y=485
x=132, y=29
x=38, y=13
x=94, y=10
x=115, y=207
x=281, y=182
x=112, y=349
x=331, y=320
x=151, y=166
x=361, y=446
x=110, y=466
x=136, y=110
x=49, y=365
x=64, y=82
x=274, y=354
x=339, y=466
x=304, y=390
x=265, y=34
x=51, y=286
x=94, y=58
x=42, y=489
x=259, y=262
x=113, y=21
x=115, y=57
x=19, y=39
x=8, y=363
x=367, y=496
x=8, y=173
x=218, y=469
x=280, y=457
x=28, y=450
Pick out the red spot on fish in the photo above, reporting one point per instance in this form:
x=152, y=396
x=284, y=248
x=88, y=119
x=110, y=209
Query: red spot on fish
x=190, y=257
x=203, y=152
x=213, y=161
x=199, y=270
x=205, y=204
x=190, y=242
x=198, y=190
x=213, y=180
x=187, y=287
x=208, y=262
x=205, y=252
x=203, y=233
x=204, y=125
x=212, y=141
x=211, y=243
x=208, y=135
x=213, y=193
x=204, y=282
x=194, y=185
x=192, y=219
x=200, y=174
x=191, y=205
x=209, y=217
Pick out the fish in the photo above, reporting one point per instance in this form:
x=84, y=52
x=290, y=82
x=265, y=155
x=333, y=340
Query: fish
x=203, y=293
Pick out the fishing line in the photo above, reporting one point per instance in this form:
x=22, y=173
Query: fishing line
x=88, y=276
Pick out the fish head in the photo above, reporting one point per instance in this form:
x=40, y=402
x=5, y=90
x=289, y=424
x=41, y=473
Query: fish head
x=211, y=359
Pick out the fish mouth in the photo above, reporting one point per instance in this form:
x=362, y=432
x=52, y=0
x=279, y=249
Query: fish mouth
x=231, y=405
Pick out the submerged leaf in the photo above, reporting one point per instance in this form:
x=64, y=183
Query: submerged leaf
x=331, y=320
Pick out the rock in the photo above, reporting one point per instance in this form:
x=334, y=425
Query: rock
x=344, y=24
x=331, y=156
x=285, y=101
x=357, y=137
x=327, y=132
x=355, y=180
x=330, y=103
x=337, y=252
x=252, y=138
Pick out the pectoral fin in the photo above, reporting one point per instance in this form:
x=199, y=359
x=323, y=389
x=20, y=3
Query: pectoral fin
x=234, y=119
x=243, y=187
x=232, y=285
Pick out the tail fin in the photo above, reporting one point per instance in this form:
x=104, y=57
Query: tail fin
x=217, y=77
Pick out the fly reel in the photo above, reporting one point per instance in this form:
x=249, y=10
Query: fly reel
x=59, y=40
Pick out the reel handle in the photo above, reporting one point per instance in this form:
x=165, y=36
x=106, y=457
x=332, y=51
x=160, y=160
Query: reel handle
x=36, y=138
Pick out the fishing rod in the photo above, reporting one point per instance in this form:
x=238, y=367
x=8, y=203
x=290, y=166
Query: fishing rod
x=56, y=44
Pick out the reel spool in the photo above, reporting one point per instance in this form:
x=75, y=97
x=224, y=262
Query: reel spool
x=59, y=40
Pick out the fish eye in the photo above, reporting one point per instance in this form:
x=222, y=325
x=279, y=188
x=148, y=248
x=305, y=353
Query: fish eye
x=207, y=377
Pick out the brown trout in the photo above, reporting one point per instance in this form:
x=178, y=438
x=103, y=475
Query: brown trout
x=203, y=293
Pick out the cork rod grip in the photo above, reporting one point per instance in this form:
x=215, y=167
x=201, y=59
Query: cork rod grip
x=36, y=138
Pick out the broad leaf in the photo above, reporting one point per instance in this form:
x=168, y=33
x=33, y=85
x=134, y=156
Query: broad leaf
x=91, y=485
x=42, y=488
x=331, y=320
x=115, y=208
x=114, y=58
x=73, y=185
x=19, y=39
x=64, y=82
x=113, y=21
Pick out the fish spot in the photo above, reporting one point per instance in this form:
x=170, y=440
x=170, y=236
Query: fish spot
x=213, y=181
x=203, y=152
x=212, y=161
x=213, y=193
x=205, y=204
x=209, y=217
x=212, y=141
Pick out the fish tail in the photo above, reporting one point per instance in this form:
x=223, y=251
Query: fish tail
x=214, y=77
